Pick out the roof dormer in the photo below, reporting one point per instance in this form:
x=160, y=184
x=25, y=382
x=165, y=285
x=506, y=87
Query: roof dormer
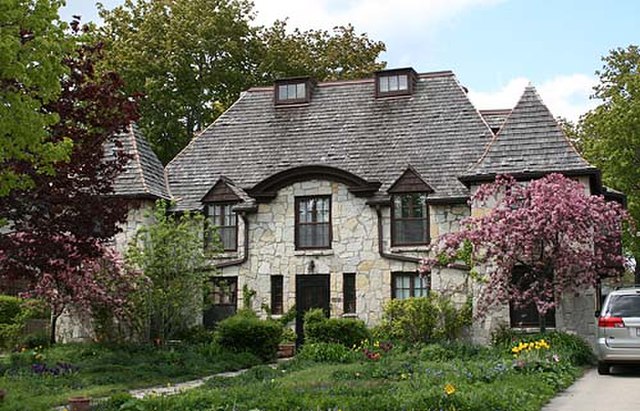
x=296, y=90
x=395, y=82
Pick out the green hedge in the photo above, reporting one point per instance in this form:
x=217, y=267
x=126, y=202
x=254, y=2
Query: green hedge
x=246, y=332
x=345, y=331
x=10, y=308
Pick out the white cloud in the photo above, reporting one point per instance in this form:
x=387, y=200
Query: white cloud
x=375, y=17
x=566, y=95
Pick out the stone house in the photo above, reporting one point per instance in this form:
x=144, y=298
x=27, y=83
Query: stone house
x=327, y=194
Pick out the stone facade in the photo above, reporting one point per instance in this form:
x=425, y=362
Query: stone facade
x=354, y=248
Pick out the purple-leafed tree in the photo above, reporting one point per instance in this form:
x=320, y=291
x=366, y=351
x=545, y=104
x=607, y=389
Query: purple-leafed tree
x=57, y=233
x=562, y=238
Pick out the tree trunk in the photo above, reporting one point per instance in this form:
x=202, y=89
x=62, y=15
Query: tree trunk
x=543, y=322
x=52, y=327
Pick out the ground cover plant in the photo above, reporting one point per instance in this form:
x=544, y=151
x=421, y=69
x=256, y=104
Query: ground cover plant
x=40, y=378
x=522, y=374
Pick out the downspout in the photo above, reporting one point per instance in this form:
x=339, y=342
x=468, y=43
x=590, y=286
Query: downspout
x=383, y=253
x=245, y=255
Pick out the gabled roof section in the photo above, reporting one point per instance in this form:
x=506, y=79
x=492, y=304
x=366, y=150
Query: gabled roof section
x=436, y=129
x=143, y=175
x=530, y=143
x=410, y=182
x=224, y=190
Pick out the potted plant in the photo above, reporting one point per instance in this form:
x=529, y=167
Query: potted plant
x=287, y=346
x=79, y=404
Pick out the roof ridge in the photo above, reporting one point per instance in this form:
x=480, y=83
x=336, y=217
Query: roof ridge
x=134, y=143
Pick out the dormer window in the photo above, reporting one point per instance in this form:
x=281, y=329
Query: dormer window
x=293, y=91
x=397, y=82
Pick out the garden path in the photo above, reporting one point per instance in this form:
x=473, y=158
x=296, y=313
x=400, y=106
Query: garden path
x=618, y=391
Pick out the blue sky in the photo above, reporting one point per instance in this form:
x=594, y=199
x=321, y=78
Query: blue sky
x=495, y=47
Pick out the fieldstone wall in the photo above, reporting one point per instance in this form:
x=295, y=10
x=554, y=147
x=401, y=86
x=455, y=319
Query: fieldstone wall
x=354, y=249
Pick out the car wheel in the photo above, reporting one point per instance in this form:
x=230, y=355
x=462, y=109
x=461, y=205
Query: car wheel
x=603, y=368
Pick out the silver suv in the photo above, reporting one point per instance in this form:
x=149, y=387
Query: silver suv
x=618, y=339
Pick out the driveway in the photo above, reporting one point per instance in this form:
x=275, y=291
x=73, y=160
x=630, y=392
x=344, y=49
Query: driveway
x=619, y=391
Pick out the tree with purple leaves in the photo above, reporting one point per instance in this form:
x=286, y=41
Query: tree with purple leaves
x=562, y=239
x=59, y=230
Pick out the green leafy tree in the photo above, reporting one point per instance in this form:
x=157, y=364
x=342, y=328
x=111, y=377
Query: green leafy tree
x=32, y=47
x=171, y=254
x=323, y=55
x=610, y=133
x=192, y=59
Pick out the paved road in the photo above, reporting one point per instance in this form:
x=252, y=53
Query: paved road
x=619, y=391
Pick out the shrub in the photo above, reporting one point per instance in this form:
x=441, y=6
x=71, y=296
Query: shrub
x=423, y=319
x=14, y=314
x=246, y=332
x=327, y=352
x=346, y=331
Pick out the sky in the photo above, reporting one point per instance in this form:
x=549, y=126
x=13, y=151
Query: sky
x=495, y=47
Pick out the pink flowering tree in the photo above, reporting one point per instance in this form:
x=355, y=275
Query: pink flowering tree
x=69, y=277
x=562, y=239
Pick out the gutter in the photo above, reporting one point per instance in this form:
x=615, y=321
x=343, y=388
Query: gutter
x=245, y=255
x=384, y=254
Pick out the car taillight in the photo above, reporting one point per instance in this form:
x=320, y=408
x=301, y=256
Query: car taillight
x=610, y=322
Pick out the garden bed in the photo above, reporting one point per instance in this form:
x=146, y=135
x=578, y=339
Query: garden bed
x=378, y=376
x=38, y=379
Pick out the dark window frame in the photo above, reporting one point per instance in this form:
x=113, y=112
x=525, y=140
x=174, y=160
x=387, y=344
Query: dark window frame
x=216, y=289
x=528, y=311
x=277, y=294
x=349, y=298
x=211, y=219
x=306, y=81
x=386, y=74
x=394, y=220
x=412, y=290
x=298, y=224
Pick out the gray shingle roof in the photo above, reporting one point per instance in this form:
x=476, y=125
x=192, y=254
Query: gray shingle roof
x=436, y=130
x=143, y=175
x=529, y=142
x=495, y=118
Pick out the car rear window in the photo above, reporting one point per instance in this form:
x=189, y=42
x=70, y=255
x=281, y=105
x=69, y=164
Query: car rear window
x=624, y=306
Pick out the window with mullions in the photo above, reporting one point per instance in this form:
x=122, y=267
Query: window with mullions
x=221, y=216
x=409, y=219
x=313, y=222
x=393, y=83
x=295, y=91
x=407, y=285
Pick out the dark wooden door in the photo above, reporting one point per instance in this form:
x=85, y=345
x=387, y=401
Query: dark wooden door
x=312, y=291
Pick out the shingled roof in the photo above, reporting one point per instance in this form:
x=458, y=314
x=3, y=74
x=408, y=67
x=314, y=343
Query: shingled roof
x=436, y=130
x=495, y=118
x=530, y=143
x=143, y=175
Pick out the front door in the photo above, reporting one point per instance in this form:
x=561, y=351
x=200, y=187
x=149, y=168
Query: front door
x=312, y=291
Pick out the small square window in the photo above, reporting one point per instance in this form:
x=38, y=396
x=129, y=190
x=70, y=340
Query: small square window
x=407, y=285
x=397, y=82
x=292, y=91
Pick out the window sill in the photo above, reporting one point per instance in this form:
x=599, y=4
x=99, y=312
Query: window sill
x=313, y=252
x=350, y=315
x=531, y=330
x=409, y=248
x=227, y=255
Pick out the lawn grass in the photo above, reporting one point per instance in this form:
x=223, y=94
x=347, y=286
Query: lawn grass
x=432, y=377
x=99, y=371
